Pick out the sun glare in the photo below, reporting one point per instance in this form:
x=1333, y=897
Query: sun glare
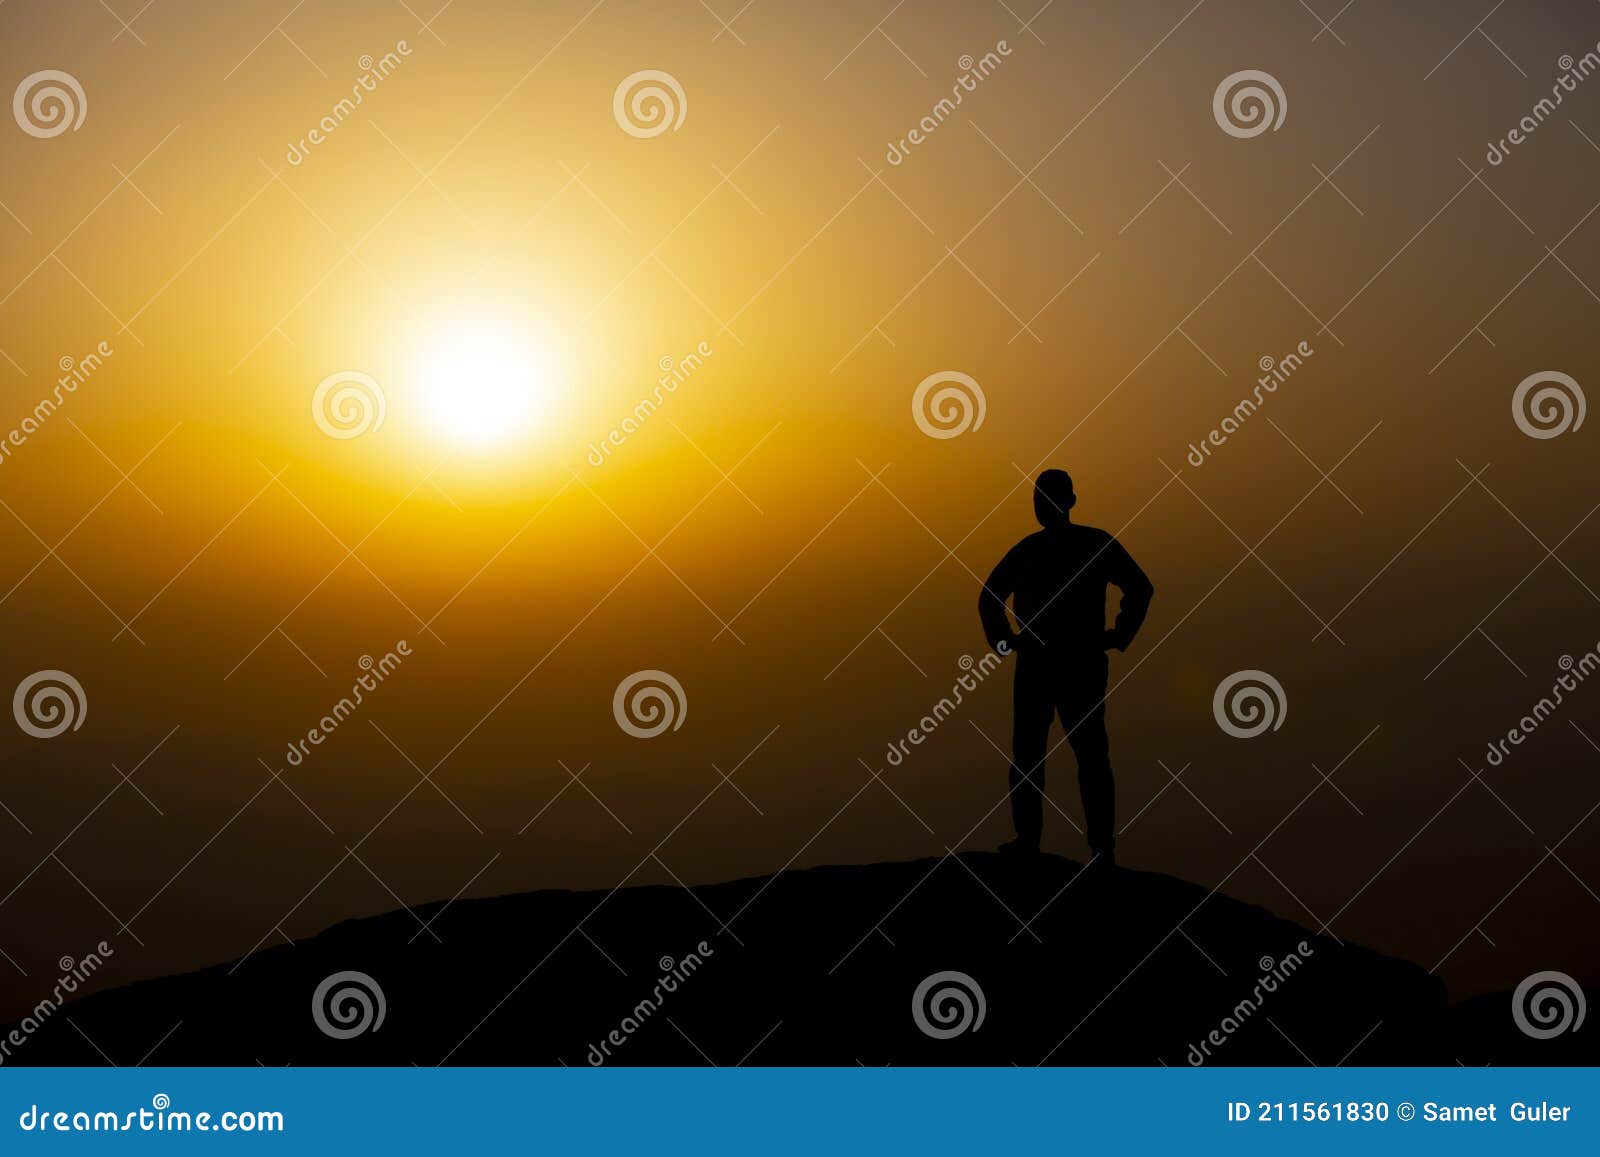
x=483, y=380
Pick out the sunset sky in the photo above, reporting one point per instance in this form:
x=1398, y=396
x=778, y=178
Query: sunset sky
x=482, y=239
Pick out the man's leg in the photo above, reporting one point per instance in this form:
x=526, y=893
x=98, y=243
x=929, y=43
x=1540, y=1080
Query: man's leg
x=1032, y=710
x=1083, y=714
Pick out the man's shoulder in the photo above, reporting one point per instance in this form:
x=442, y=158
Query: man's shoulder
x=1053, y=539
x=1074, y=546
x=1031, y=543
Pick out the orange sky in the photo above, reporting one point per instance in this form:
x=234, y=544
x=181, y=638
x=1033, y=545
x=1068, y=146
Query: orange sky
x=1079, y=236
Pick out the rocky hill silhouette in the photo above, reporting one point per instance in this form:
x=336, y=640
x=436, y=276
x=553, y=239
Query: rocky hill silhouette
x=831, y=965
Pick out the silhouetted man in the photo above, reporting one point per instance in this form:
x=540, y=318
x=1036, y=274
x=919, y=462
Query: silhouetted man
x=1056, y=580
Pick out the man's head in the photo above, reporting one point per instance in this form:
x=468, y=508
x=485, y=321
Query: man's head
x=1053, y=498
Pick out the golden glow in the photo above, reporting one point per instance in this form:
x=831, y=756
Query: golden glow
x=516, y=305
x=482, y=378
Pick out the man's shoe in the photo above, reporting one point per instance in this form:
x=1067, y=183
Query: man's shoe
x=1019, y=848
x=1104, y=861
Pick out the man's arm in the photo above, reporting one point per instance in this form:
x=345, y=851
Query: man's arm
x=1126, y=576
x=1000, y=586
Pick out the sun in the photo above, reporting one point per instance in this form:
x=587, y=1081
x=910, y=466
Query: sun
x=484, y=379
